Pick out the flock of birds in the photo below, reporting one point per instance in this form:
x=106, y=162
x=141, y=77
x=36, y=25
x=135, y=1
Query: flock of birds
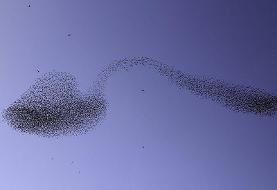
x=55, y=106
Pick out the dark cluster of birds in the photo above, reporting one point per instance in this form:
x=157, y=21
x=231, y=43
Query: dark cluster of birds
x=240, y=98
x=54, y=105
x=237, y=97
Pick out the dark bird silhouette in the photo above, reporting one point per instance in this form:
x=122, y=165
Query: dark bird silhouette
x=68, y=35
x=37, y=70
x=142, y=90
x=29, y=5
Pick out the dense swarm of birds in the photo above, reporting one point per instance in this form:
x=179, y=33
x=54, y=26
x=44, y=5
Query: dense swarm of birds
x=54, y=105
x=237, y=97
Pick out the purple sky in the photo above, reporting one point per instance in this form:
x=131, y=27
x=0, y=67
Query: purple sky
x=189, y=143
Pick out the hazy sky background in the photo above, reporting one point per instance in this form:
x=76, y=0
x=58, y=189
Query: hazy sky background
x=189, y=143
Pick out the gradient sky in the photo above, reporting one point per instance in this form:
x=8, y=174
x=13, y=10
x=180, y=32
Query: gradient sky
x=189, y=143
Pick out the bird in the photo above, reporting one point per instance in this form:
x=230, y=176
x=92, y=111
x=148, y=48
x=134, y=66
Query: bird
x=37, y=70
x=142, y=90
x=68, y=35
x=29, y=5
